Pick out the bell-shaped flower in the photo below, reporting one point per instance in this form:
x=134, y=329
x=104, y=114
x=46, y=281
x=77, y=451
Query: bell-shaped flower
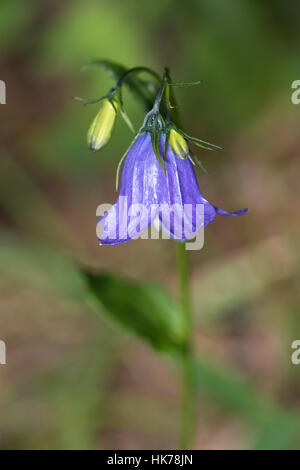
x=150, y=192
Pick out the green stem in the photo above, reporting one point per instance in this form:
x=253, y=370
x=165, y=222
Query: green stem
x=188, y=388
x=137, y=69
x=160, y=93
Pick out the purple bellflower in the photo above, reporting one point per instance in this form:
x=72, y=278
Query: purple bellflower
x=158, y=182
x=150, y=191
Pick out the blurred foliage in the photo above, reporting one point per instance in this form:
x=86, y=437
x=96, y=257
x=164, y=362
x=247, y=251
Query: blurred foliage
x=143, y=308
x=72, y=380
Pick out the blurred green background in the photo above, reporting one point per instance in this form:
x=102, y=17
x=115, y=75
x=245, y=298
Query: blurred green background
x=73, y=379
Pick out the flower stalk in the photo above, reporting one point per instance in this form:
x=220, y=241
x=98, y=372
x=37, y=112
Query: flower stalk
x=157, y=174
x=188, y=412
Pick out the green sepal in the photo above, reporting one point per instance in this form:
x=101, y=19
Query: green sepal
x=185, y=84
x=127, y=120
x=117, y=95
x=201, y=143
x=86, y=102
x=155, y=139
x=113, y=104
x=167, y=137
x=154, y=124
x=112, y=95
x=191, y=160
x=199, y=162
x=119, y=168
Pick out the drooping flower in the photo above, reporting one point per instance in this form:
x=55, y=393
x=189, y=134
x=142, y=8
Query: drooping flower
x=148, y=192
x=102, y=126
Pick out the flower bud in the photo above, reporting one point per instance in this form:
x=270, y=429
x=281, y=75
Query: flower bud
x=178, y=144
x=102, y=126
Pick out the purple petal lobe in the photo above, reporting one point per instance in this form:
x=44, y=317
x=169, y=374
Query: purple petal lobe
x=191, y=210
x=230, y=214
x=143, y=187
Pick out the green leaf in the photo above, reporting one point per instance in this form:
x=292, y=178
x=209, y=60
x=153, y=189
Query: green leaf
x=144, y=91
x=233, y=392
x=280, y=433
x=142, y=308
x=275, y=427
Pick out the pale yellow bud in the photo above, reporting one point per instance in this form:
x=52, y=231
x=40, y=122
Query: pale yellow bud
x=102, y=126
x=178, y=144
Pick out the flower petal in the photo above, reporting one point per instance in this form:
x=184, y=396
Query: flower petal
x=183, y=191
x=143, y=187
x=230, y=214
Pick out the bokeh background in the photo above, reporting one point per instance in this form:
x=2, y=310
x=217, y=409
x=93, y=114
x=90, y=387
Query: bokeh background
x=73, y=379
